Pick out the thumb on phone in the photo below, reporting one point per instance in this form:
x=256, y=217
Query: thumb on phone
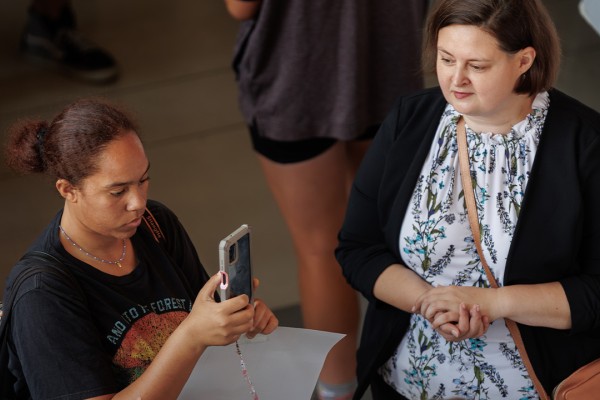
x=208, y=290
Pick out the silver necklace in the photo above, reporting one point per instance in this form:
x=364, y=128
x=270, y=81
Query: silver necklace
x=87, y=253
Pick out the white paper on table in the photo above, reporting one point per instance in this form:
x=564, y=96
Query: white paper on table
x=284, y=365
x=590, y=10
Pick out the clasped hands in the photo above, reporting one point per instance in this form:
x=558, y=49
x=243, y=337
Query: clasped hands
x=456, y=312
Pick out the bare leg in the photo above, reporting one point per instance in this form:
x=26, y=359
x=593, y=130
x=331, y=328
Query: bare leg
x=312, y=197
x=355, y=152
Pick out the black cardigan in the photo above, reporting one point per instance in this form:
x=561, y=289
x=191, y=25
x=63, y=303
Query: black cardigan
x=557, y=237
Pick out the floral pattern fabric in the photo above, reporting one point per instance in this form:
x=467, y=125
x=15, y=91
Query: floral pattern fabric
x=436, y=242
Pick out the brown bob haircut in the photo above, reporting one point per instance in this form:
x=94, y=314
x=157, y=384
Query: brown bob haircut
x=515, y=24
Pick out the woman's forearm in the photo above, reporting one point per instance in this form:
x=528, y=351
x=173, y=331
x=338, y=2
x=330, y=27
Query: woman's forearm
x=166, y=376
x=536, y=305
x=400, y=287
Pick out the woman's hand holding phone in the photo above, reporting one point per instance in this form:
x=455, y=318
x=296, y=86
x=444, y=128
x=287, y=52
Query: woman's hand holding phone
x=218, y=324
x=264, y=322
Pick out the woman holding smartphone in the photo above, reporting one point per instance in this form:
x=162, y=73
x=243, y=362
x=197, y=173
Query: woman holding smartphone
x=140, y=312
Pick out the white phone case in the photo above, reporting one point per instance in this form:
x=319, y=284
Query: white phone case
x=235, y=261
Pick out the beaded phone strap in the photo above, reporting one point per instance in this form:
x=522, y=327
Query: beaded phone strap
x=245, y=373
x=465, y=176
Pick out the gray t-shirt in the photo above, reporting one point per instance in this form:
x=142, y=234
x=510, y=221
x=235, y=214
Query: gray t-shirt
x=313, y=68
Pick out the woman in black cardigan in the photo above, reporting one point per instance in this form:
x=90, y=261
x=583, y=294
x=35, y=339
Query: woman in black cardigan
x=434, y=327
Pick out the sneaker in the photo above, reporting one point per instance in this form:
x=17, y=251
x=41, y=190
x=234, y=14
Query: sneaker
x=58, y=45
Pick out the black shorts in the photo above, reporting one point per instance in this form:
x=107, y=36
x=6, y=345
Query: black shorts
x=288, y=152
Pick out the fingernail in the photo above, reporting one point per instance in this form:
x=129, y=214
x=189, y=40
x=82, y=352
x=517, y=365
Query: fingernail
x=455, y=333
x=413, y=309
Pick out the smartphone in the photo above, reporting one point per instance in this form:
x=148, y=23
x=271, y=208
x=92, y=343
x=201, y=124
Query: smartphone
x=236, y=264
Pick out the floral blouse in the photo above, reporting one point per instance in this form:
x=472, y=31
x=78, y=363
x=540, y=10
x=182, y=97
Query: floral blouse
x=436, y=242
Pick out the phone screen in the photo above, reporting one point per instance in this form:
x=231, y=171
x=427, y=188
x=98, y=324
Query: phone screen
x=236, y=261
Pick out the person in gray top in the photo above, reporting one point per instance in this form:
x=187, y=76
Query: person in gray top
x=315, y=79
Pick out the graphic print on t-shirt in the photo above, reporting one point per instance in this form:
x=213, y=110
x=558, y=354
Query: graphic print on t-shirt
x=142, y=332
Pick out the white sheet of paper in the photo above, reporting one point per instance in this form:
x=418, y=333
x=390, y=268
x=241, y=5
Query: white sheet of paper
x=590, y=10
x=283, y=365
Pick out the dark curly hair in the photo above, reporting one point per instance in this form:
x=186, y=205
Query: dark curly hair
x=68, y=146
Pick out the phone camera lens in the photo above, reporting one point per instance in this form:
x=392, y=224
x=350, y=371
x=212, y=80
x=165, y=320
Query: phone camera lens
x=232, y=253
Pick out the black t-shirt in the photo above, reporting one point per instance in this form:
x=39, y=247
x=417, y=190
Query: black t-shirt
x=72, y=344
